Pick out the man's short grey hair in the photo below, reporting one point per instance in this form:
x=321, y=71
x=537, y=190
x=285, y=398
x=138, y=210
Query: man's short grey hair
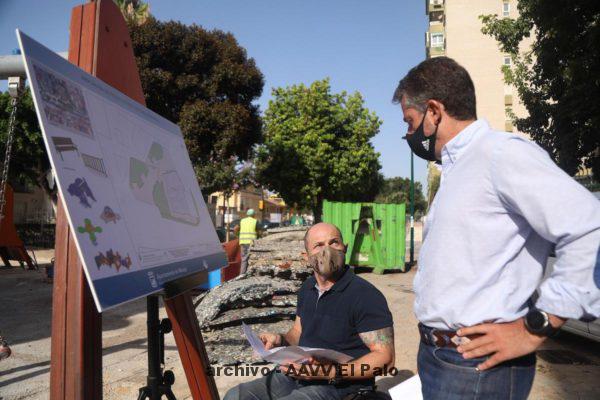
x=308, y=231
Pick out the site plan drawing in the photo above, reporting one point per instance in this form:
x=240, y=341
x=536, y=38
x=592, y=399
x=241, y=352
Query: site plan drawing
x=130, y=192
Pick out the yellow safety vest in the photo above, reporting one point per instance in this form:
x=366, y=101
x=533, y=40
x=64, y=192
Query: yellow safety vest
x=247, y=230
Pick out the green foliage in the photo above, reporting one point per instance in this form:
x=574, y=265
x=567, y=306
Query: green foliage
x=316, y=147
x=557, y=79
x=433, y=182
x=205, y=82
x=29, y=162
x=397, y=190
x=201, y=80
x=134, y=11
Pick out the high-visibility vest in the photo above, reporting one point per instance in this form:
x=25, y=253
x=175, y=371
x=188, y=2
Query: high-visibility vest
x=247, y=230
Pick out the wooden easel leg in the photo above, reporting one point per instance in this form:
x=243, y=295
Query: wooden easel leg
x=76, y=343
x=192, y=352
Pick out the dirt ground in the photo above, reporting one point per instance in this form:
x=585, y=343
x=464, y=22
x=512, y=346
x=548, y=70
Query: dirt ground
x=568, y=367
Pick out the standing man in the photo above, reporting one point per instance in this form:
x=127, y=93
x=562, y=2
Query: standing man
x=502, y=206
x=248, y=235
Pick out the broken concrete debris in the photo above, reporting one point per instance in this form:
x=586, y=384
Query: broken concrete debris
x=264, y=297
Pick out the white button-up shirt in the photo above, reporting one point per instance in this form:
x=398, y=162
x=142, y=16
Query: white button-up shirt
x=502, y=205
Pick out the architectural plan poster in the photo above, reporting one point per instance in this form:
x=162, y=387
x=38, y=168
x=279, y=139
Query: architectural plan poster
x=131, y=195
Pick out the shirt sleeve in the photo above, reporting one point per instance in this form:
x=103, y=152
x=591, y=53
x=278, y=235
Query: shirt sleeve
x=371, y=312
x=561, y=211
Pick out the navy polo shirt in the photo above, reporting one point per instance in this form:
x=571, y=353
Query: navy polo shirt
x=333, y=321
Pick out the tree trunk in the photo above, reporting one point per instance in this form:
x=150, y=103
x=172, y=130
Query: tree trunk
x=318, y=210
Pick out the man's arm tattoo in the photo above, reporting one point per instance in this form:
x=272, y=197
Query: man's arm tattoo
x=380, y=337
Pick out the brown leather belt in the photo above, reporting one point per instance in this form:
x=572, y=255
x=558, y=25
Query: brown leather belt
x=442, y=338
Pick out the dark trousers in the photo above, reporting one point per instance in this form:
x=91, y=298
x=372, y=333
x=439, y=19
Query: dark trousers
x=445, y=374
x=245, y=249
x=278, y=386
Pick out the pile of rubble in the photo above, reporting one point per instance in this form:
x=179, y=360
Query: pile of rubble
x=264, y=297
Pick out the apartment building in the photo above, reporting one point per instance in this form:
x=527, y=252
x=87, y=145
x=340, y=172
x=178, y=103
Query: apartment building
x=455, y=31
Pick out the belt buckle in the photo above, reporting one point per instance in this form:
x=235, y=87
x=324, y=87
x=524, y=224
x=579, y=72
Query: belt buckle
x=433, y=338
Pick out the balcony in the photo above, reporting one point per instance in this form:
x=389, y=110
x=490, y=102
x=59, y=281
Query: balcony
x=434, y=5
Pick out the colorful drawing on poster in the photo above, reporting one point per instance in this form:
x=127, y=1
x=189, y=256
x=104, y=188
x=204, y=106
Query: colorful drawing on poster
x=96, y=164
x=90, y=229
x=64, y=104
x=112, y=258
x=62, y=144
x=80, y=188
x=155, y=181
x=108, y=215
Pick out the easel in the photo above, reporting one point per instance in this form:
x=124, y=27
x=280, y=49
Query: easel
x=99, y=44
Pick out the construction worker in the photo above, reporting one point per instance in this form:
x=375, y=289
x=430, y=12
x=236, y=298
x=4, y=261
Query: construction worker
x=248, y=235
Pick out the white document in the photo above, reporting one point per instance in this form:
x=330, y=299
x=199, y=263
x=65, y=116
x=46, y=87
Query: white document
x=410, y=389
x=290, y=354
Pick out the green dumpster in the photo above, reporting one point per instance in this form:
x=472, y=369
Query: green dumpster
x=374, y=233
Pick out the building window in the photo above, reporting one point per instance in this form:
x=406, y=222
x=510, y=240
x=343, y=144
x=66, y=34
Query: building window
x=507, y=61
x=506, y=9
x=437, y=40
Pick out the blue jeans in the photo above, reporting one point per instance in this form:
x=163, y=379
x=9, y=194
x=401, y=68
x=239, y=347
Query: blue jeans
x=278, y=386
x=446, y=375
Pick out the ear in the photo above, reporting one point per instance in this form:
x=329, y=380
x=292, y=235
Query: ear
x=437, y=110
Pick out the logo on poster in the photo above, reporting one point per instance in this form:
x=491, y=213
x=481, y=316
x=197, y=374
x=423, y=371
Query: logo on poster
x=152, y=278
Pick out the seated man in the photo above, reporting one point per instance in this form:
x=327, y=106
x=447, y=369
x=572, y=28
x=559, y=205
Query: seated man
x=336, y=310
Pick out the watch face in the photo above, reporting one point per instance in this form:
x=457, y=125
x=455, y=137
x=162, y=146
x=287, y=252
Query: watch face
x=536, y=320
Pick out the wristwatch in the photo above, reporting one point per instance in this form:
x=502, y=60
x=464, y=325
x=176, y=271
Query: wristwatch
x=538, y=323
x=338, y=375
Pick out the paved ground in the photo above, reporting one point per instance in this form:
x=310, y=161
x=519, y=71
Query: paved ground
x=568, y=367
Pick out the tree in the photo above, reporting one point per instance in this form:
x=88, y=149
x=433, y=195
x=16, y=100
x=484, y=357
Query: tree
x=205, y=82
x=556, y=78
x=316, y=147
x=134, y=11
x=28, y=163
x=397, y=190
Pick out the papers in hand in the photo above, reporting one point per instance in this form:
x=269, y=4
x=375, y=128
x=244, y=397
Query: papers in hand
x=410, y=389
x=290, y=354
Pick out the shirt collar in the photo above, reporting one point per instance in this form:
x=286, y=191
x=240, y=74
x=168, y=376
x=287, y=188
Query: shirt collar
x=341, y=283
x=455, y=147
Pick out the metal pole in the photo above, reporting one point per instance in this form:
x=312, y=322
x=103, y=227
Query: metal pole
x=12, y=65
x=154, y=373
x=412, y=210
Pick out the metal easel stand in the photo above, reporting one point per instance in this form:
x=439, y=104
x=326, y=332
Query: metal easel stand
x=158, y=382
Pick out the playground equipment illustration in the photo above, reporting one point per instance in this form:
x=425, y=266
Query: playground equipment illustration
x=112, y=258
x=62, y=144
x=90, y=229
x=80, y=188
x=108, y=215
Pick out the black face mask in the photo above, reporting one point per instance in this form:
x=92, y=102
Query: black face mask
x=423, y=146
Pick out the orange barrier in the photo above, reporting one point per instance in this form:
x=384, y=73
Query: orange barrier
x=234, y=257
x=11, y=246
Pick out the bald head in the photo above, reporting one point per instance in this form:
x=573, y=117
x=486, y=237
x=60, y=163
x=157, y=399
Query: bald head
x=323, y=234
